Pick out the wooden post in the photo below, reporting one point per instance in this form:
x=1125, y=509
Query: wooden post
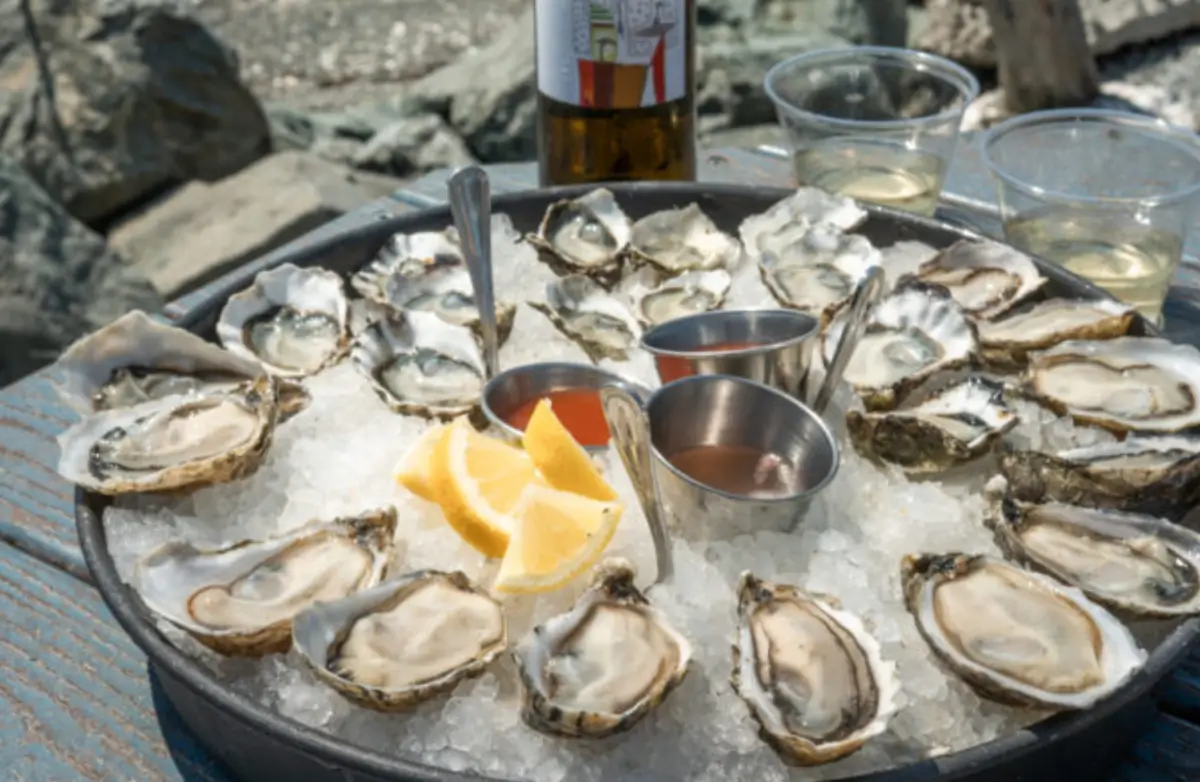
x=1042, y=54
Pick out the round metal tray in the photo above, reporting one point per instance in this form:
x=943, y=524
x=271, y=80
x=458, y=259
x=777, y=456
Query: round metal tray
x=257, y=743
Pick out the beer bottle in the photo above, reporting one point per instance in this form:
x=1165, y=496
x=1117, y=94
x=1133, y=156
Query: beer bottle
x=616, y=90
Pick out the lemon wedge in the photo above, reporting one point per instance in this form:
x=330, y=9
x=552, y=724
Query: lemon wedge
x=414, y=471
x=556, y=535
x=561, y=460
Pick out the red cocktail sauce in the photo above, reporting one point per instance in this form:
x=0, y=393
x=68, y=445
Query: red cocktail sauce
x=673, y=367
x=578, y=409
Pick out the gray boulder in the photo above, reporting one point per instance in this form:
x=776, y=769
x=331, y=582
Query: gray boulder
x=413, y=146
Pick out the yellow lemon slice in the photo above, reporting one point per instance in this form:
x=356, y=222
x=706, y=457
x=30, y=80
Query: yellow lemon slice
x=556, y=535
x=414, y=471
x=560, y=459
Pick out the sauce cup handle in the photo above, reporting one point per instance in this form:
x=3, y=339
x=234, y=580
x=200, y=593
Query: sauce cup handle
x=866, y=294
x=630, y=429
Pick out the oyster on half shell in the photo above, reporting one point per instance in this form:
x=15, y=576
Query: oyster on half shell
x=790, y=218
x=816, y=271
x=684, y=239
x=986, y=278
x=589, y=235
x=810, y=673
x=591, y=316
x=240, y=599
x=675, y=297
x=602, y=666
x=1015, y=636
x=404, y=641
x=1005, y=343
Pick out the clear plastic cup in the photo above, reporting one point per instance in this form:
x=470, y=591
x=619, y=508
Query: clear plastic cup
x=1106, y=194
x=875, y=123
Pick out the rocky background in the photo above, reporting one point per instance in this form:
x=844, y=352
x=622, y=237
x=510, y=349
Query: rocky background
x=147, y=146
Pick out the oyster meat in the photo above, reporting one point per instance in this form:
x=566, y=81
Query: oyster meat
x=174, y=442
x=1006, y=343
x=591, y=316
x=955, y=425
x=1125, y=384
x=421, y=365
x=404, y=641
x=817, y=272
x=589, y=235
x=986, y=278
x=1155, y=474
x=791, y=217
x=240, y=600
x=1133, y=563
x=687, y=294
x=914, y=332
x=810, y=673
x=685, y=239
x=1015, y=636
x=602, y=666
x=294, y=321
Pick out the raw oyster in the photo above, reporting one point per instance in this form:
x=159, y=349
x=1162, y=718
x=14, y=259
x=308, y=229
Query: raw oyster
x=1015, y=636
x=956, y=425
x=1007, y=342
x=1138, y=564
x=295, y=321
x=602, y=666
x=688, y=294
x=421, y=365
x=810, y=673
x=903, y=259
x=427, y=272
x=914, y=332
x=404, y=641
x=680, y=240
x=589, y=234
x=790, y=218
x=240, y=600
x=173, y=443
x=986, y=278
x=1159, y=475
x=1125, y=384
x=591, y=316
x=816, y=272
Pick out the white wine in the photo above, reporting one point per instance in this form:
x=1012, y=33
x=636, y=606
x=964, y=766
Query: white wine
x=874, y=171
x=1132, y=261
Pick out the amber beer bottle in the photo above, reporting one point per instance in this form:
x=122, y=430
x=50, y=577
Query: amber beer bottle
x=616, y=90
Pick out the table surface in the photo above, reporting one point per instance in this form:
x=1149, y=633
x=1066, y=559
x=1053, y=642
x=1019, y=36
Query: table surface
x=77, y=699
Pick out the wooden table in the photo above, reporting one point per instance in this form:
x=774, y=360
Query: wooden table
x=77, y=700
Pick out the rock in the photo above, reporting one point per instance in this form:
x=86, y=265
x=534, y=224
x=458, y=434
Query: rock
x=334, y=135
x=58, y=281
x=1170, y=66
x=413, y=146
x=141, y=97
x=989, y=109
x=203, y=230
x=880, y=22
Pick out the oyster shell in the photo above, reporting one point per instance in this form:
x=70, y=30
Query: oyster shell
x=1015, y=636
x=685, y=239
x=1006, y=343
x=1125, y=384
x=790, y=218
x=810, y=673
x=421, y=365
x=173, y=443
x=589, y=235
x=688, y=294
x=404, y=641
x=427, y=272
x=817, y=272
x=912, y=334
x=986, y=278
x=1159, y=475
x=591, y=316
x=956, y=425
x=602, y=666
x=294, y=321
x=240, y=599
x=1133, y=563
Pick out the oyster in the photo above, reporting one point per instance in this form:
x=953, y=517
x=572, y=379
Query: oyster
x=240, y=600
x=1007, y=342
x=589, y=234
x=791, y=217
x=688, y=294
x=903, y=259
x=591, y=316
x=427, y=272
x=1138, y=564
x=956, y=425
x=1017, y=637
x=421, y=365
x=1156, y=474
x=174, y=442
x=602, y=666
x=914, y=332
x=986, y=278
x=811, y=675
x=295, y=321
x=1124, y=384
x=404, y=641
x=680, y=240
x=817, y=272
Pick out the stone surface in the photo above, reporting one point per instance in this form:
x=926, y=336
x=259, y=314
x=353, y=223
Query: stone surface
x=58, y=281
x=110, y=101
x=1170, y=66
x=989, y=108
x=203, y=230
x=413, y=146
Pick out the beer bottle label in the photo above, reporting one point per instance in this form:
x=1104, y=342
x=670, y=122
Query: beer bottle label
x=612, y=54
